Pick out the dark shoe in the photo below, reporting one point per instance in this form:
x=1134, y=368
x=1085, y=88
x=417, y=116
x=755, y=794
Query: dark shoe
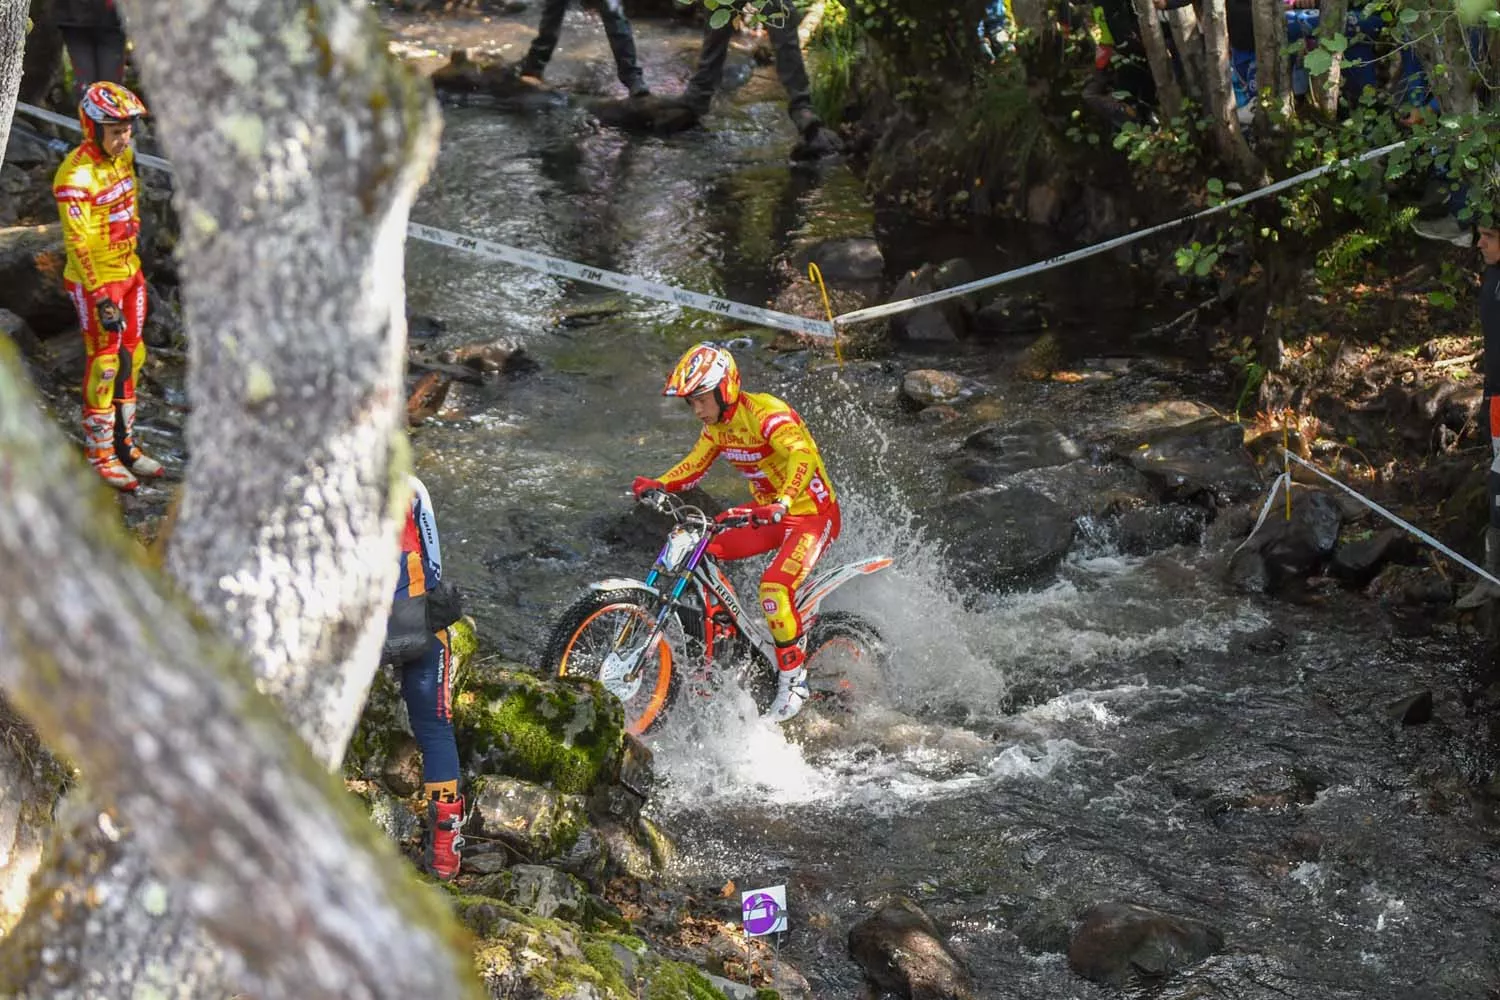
x=444, y=843
x=697, y=102
x=531, y=72
x=818, y=142
x=639, y=89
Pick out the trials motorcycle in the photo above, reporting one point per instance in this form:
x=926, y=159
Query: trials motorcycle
x=639, y=637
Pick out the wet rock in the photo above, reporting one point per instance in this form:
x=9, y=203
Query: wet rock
x=421, y=327
x=623, y=798
x=1118, y=942
x=1153, y=420
x=851, y=260
x=1028, y=444
x=427, y=398
x=25, y=149
x=1359, y=560
x=163, y=317
x=902, y=951
x=566, y=733
x=1146, y=530
x=393, y=816
x=939, y=414
x=19, y=332
x=819, y=143
x=495, y=356
x=1007, y=314
x=941, y=323
x=1003, y=538
x=642, y=530
x=478, y=74
x=656, y=115
x=1203, y=461
x=1286, y=550
x=31, y=285
x=927, y=387
x=538, y=823
x=1413, y=710
x=538, y=889
x=1410, y=586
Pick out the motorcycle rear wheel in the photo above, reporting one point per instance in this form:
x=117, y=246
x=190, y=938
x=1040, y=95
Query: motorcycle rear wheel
x=848, y=662
x=587, y=632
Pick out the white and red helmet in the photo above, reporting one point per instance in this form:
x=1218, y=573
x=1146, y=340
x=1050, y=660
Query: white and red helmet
x=705, y=368
x=105, y=102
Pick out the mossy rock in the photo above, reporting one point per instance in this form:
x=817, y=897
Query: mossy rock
x=539, y=822
x=565, y=733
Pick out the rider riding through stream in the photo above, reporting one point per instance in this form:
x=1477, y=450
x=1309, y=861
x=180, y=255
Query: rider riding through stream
x=795, y=512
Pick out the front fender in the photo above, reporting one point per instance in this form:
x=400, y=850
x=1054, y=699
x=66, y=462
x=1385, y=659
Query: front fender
x=624, y=583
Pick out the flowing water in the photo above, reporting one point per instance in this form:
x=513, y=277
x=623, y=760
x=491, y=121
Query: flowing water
x=1134, y=731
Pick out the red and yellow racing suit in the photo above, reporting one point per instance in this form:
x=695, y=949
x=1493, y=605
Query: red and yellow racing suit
x=96, y=200
x=767, y=441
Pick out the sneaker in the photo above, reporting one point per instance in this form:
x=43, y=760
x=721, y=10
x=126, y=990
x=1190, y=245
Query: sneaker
x=791, y=693
x=1447, y=228
x=444, y=843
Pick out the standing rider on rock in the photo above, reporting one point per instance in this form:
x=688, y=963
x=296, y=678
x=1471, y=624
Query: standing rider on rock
x=795, y=512
x=95, y=190
x=1488, y=240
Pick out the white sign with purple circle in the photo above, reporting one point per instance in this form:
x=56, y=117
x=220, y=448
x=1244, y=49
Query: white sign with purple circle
x=764, y=910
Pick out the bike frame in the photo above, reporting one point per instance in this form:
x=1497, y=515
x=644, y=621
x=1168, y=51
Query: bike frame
x=716, y=592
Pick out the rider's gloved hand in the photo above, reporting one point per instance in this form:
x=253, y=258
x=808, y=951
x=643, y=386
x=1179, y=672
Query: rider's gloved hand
x=111, y=319
x=768, y=513
x=734, y=514
x=644, y=485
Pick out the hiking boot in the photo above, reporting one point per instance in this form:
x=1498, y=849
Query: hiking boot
x=138, y=462
x=1484, y=591
x=638, y=89
x=444, y=842
x=531, y=72
x=791, y=684
x=99, y=449
x=1446, y=228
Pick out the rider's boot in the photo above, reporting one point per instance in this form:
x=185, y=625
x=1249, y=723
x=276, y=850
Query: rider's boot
x=791, y=682
x=130, y=454
x=443, y=844
x=99, y=449
x=1484, y=591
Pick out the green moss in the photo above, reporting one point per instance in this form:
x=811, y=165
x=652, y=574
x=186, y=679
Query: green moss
x=565, y=733
x=676, y=981
x=551, y=955
x=601, y=957
x=764, y=994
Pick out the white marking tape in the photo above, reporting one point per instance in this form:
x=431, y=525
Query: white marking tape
x=1413, y=529
x=557, y=265
x=621, y=282
x=906, y=305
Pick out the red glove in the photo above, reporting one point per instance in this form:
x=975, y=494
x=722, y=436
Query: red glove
x=733, y=513
x=643, y=485
x=768, y=513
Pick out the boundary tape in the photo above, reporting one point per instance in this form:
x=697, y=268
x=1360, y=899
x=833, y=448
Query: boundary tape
x=907, y=305
x=1284, y=481
x=552, y=265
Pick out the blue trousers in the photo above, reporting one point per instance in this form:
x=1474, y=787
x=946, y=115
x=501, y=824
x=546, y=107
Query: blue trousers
x=426, y=687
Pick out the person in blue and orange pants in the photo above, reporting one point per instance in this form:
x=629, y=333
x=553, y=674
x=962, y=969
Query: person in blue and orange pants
x=1487, y=237
x=795, y=513
x=426, y=687
x=95, y=190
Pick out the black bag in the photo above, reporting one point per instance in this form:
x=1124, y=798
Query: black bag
x=445, y=605
x=409, y=630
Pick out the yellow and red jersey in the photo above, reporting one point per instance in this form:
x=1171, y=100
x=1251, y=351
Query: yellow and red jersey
x=767, y=441
x=96, y=200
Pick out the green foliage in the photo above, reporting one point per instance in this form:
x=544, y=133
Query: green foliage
x=833, y=51
x=1338, y=261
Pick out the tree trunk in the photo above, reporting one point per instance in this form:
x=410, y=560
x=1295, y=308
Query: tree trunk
x=30, y=781
x=1188, y=36
x=1168, y=91
x=1220, y=94
x=1032, y=16
x=1331, y=17
x=1443, y=44
x=12, y=52
x=1273, y=75
x=254, y=837
x=298, y=151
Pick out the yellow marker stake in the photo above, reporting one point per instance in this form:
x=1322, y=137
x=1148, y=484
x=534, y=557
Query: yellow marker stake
x=817, y=278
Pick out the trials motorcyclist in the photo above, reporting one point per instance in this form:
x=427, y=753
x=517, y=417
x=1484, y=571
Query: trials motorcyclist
x=795, y=512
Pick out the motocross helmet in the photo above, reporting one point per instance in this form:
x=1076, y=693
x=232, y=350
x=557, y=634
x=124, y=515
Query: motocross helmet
x=105, y=102
x=705, y=368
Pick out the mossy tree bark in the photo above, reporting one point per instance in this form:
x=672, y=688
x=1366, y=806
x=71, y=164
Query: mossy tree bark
x=12, y=52
x=1219, y=94
x=1273, y=75
x=299, y=146
x=1331, y=17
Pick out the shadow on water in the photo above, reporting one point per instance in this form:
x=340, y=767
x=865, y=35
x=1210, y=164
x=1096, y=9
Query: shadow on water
x=1128, y=732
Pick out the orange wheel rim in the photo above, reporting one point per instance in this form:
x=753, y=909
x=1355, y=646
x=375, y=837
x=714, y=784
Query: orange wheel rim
x=663, y=674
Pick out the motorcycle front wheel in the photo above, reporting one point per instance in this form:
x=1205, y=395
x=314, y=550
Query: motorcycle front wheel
x=600, y=636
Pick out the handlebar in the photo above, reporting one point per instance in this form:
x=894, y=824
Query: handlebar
x=686, y=513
